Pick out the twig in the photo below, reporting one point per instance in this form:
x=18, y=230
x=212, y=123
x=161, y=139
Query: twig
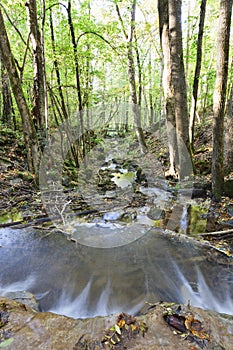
x=218, y=234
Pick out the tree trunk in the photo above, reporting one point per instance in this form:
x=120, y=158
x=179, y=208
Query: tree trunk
x=139, y=67
x=167, y=86
x=74, y=43
x=38, y=111
x=151, y=106
x=228, y=134
x=77, y=74
x=55, y=62
x=131, y=73
x=6, y=97
x=220, y=97
x=30, y=136
x=197, y=73
x=179, y=88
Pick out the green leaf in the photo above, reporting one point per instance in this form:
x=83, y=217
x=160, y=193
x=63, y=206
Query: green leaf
x=6, y=343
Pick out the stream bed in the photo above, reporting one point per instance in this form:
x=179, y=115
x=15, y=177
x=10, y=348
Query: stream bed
x=81, y=281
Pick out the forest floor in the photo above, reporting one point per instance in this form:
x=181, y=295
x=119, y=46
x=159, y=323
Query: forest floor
x=21, y=204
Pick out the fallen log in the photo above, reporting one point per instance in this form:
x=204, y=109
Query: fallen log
x=43, y=219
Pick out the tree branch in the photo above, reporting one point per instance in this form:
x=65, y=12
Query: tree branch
x=121, y=21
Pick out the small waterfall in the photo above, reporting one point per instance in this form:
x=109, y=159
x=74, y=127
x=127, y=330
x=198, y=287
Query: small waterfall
x=23, y=285
x=204, y=297
x=77, y=307
x=82, y=306
x=85, y=305
x=184, y=220
x=201, y=295
x=89, y=282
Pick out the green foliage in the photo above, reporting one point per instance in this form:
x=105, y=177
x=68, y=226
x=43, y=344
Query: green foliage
x=102, y=51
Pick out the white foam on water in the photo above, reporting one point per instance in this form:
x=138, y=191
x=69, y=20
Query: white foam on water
x=23, y=285
x=184, y=220
x=204, y=297
x=77, y=307
x=82, y=307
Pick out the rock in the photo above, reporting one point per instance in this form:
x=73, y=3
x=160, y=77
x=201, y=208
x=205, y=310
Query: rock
x=228, y=224
x=23, y=297
x=112, y=216
x=156, y=213
x=230, y=209
x=25, y=329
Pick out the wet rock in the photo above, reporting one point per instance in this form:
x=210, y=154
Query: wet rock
x=27, y=329
x=128, y=217
x=112, y=216
x=227, y=224
x=230, y=209
x=23, y=297
x=156, y=213
x=110, y=195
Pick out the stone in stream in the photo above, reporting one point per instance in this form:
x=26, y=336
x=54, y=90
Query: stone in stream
x=25, y=329
x=156, y=213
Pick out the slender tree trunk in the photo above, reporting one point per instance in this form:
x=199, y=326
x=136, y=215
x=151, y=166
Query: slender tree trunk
x=228, y=153
x=179, y=87
x=135, y=106
x=220, y=97
x=55, y=62
x=38, y=111
x=197, y=73
x=131, y=73
x=30, y=136
x=77, y=74
x=74, y=151
x=139, y=66
x=43, y=16
x=151, y=107
x=74, y=43
x=228, y=134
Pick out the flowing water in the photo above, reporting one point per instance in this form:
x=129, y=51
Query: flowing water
x=81, y=281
